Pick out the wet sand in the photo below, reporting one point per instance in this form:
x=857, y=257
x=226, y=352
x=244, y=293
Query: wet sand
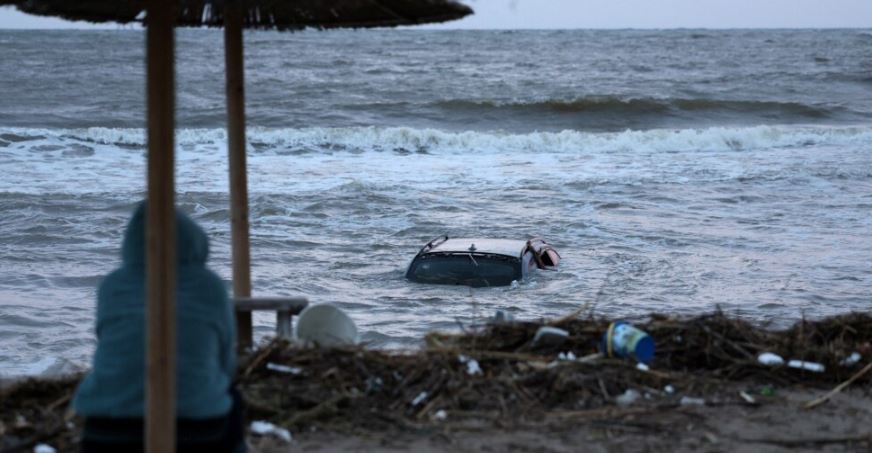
x=777, y=424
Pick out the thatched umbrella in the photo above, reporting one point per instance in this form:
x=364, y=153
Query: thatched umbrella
x=160, y=16
x=268, y=14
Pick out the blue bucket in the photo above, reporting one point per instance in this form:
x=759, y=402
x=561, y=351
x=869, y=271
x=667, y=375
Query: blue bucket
x=625, y=341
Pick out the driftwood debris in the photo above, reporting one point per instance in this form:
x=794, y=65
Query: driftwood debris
x=492, y=374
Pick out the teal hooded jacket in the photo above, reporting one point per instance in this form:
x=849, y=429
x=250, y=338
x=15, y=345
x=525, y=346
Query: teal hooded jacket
x=205, y=349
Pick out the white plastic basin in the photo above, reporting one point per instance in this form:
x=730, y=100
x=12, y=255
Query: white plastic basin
x=326, y=325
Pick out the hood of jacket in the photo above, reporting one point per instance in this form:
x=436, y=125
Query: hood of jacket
x=192, y=244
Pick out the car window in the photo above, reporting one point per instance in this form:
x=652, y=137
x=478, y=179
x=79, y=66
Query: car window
x=465, y=269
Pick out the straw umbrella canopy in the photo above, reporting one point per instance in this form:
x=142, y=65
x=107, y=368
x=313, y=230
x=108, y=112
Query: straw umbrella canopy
x=269, y=14
x=259, y=14
x=160, y=16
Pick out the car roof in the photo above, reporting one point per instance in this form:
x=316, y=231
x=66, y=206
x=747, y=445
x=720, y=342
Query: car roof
x=508, y=247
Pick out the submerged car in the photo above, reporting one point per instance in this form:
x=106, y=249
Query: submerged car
x=480, y=262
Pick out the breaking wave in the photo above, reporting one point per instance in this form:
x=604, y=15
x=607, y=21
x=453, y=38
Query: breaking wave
x=410, y=140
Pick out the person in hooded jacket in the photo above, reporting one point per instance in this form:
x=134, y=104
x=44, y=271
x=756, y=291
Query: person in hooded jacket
x=112, y=395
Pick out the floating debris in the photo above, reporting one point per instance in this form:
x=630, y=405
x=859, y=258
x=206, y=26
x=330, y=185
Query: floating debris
x=503, y=316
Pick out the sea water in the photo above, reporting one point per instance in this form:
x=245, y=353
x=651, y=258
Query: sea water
x=675, y=171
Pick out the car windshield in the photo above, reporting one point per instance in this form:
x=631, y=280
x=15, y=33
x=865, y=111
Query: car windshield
x=471, y=269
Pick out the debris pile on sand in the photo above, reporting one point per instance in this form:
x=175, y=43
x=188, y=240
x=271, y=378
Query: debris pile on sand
x=496, y=375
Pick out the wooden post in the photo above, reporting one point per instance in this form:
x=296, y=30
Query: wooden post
x=234, y=69
x=160, y=416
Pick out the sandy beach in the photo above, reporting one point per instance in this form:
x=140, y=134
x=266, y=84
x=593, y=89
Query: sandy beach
x=779, y=424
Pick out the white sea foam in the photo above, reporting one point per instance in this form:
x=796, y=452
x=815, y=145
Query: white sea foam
x=432, y=140
x=48, y=366
x=71, y=160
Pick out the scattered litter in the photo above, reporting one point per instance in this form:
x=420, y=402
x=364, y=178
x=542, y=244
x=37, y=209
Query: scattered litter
x=43, y=448
x=345, y=391
x=689, y=401
x=284, y=368
x=627, y=398
x=625, y=340
x=374, y=384
x=472, y=367
x=768, y=358
x=823, y=399
x=21, y=422
x=642, y=367
x=851, y=360
x=747, y=397
x=419, y=399
x=326, y=325
x=502, y=316
x=590, y=357
x=440, y=415
x=549, y=336
x=266, y=428
x=566, y=356
x=810, y=366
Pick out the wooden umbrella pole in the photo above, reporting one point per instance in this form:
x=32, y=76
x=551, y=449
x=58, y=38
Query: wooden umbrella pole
x=238, y=179
x=160, y=419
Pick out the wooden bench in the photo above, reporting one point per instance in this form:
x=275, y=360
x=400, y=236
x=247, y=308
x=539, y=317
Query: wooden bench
x=285, y=308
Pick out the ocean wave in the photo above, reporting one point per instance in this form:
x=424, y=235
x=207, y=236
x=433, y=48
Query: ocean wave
x=643, y=106
x=404, y=140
